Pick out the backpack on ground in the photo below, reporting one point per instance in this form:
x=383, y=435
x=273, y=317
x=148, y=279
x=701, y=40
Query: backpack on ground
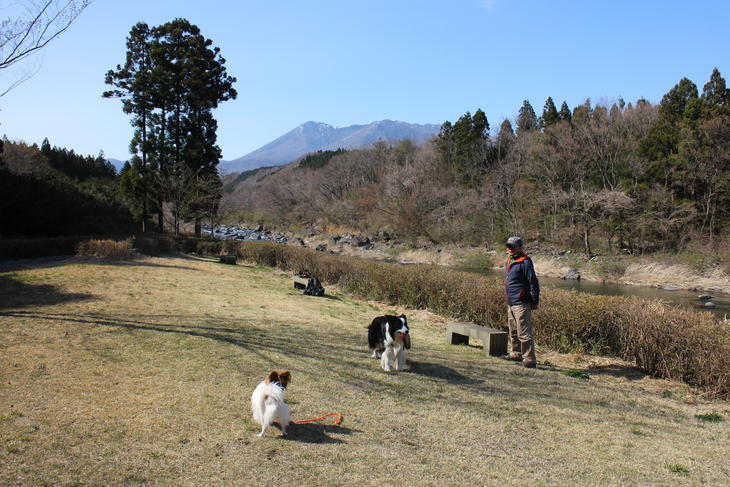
x=314, y=287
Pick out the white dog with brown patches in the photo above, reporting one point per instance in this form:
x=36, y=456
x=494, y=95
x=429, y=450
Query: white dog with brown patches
x=267, y=402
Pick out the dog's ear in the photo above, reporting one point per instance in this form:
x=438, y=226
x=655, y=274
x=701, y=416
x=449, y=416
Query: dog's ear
x=273, y=378
x=284, y=379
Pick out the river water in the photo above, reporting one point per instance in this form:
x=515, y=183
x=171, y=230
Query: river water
x=678, y=297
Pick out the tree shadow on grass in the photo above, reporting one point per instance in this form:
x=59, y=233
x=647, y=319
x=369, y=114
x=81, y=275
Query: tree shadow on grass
x=65, y=260
x=15, y=293
x=439, y=371
x=44, y=262
x=250, y=334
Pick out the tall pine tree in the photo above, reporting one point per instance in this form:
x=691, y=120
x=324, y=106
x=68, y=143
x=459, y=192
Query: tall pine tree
x=526, y=119
x=550, y=114
x=465, y=147
x=171, y=83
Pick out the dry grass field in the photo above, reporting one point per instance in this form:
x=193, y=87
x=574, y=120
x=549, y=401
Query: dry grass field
x=140, y=373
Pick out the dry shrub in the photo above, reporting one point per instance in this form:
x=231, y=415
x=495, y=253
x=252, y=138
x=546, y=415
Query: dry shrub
x=107, y=249
x=570, y=321
x=215, y=247
x=154, y=245
x=151, y=245
x=228, y=247
x=686, y=345
x=663, y=340
x=265, y=254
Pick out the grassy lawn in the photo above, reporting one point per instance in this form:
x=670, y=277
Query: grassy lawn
x=141, y=373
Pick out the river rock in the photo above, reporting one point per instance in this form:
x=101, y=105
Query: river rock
x=571, y=274
x=710, y=304
x=670, y=287
x=705, y=296
x=358, y=241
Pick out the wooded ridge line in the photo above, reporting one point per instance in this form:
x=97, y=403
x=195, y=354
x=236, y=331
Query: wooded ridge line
x=606, y=178
x=631, y=178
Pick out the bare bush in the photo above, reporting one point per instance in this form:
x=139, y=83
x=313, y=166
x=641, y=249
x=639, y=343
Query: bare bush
x=107, y=249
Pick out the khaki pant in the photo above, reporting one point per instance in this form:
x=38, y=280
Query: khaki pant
x=519, y=320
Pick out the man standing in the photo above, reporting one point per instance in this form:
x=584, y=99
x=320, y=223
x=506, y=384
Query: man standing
x=523, y=295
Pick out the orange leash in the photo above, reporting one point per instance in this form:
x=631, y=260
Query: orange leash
x=337, y=421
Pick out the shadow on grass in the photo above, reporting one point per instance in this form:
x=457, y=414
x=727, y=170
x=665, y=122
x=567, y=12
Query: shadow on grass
x=256, y=337
x=317, y=433
x=300, y=292
x=16, y=293
x=19, y=265
x=439, y=371
x=20, y=291
x=252, y=334
x=620, y=371
x=65, y=260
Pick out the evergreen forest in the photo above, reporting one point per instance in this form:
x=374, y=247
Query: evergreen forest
x=53, y=192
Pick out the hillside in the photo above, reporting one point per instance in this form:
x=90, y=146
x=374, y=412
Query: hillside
x=314, y=136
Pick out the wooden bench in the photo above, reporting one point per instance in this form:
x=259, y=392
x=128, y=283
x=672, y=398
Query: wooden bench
x=495, y=341
x=228, y=259
x=300, y=282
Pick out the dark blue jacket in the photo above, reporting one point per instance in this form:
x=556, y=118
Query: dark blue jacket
x=521, y=282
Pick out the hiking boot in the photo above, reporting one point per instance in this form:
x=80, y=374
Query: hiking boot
x=512, y=356
x=527, y=365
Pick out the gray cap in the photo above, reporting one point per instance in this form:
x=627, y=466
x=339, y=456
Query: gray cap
x=514, y=242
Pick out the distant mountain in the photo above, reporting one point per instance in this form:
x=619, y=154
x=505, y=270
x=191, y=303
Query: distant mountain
x=117, y=164
x=314, y=136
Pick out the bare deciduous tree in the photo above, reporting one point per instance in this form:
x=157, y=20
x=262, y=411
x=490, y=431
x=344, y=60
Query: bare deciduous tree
x=31, y=25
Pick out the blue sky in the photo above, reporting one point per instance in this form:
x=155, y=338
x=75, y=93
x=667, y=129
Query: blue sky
x=346, y=62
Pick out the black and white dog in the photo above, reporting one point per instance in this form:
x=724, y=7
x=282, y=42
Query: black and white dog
x=388, y=338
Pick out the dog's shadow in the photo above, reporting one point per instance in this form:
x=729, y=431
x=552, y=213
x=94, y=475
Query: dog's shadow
x=317, y=433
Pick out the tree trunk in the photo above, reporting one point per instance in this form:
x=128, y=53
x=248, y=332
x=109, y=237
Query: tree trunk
x=160, y=218
x=144, y=214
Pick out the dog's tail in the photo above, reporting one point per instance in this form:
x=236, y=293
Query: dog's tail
x=274, y=408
